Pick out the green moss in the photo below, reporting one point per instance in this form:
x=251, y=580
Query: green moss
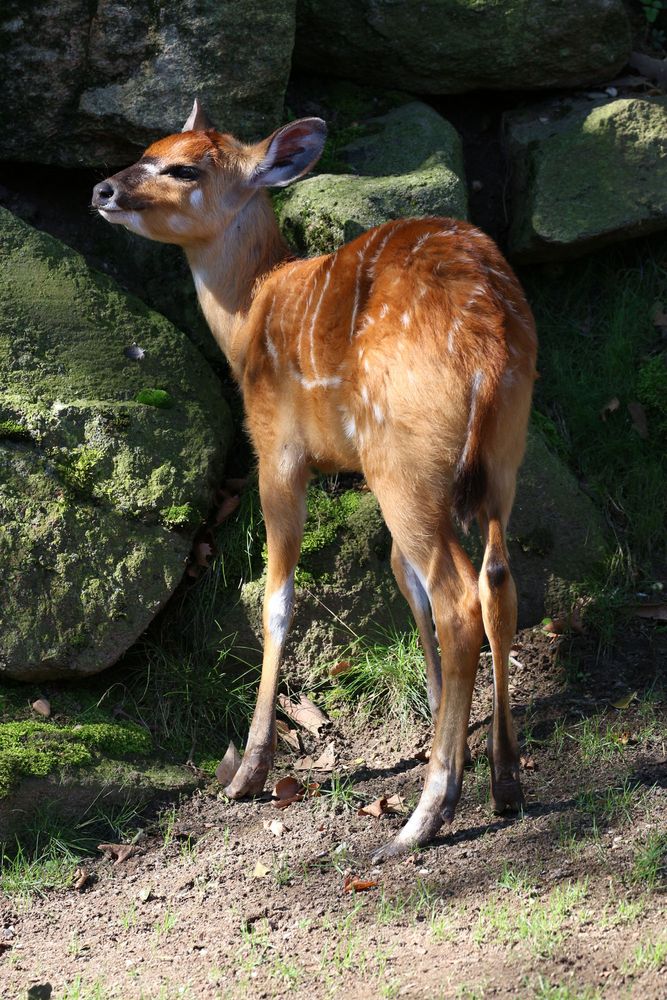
x=11, y=431
x=78, y=470
x=155, y=397
x=326, y=516
x=652, y=392
x=29, y=748
x=177, y=516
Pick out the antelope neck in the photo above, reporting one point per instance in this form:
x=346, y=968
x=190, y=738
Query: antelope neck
x=229, y=269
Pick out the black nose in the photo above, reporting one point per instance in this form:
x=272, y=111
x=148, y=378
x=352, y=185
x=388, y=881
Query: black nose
x=103, y=193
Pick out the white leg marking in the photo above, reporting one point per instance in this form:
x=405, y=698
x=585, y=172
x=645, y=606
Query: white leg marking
x=279, y=610
x=417, y=586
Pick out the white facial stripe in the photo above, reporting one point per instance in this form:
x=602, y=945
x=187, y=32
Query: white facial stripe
x=151, y=168
x=134, y=222
x=279, y=610
x=196, y=198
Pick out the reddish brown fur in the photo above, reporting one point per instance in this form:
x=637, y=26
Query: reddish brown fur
x=408, y=355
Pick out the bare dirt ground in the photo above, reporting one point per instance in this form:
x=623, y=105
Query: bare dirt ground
x=554, y=903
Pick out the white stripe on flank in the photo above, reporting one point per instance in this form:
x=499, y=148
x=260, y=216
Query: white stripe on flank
x=361, y=255
x=405, y=319
x=323, y=382
x=316, y=310
x=384, y=310
x=270, y=346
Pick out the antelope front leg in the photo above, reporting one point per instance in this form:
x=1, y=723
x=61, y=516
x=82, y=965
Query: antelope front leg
x=284, y=508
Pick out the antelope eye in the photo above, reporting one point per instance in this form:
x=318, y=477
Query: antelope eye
x=183, y=173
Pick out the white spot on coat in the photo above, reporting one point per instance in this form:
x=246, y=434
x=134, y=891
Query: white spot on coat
x=196, y=198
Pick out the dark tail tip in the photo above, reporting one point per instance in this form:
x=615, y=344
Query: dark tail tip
x=468, y=491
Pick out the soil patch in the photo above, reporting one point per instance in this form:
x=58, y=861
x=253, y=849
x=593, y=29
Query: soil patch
x=215, y=903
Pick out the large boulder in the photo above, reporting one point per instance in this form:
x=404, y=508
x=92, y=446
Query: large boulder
x=106, y=461
x=93, y=83
x=452, y=46
x=409, y=162
x=584, y=175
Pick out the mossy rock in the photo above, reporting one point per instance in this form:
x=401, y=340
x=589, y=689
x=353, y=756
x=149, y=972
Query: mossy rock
x=87, y=555
x=615, y=184
x=93, y=84
x=452, y=46
x=408, y=163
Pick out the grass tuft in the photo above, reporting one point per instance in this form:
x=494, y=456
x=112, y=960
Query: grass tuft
x=386, y=679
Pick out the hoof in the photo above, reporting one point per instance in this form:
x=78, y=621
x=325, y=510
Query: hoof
x=393, y=849
x=507, y=796
x=420, y=829
x=250, y=777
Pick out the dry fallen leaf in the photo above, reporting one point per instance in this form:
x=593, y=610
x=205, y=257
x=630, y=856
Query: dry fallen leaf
x=327, y=759
x=290, y=736
x=376, y=809
x=624, y=738
x=424, y=755
x=353, y=883
x=304, y=713
x=304, y=764
x=121, y=852
x=340, y=668
x=610, y=407
x=286, y=791
x=396, y=803
x=527, y=763
x=638, y=417
x=276, y=827
x=260, y=870
x=42, y=707
x=81, y=876
x=228, y=766
x=625, y=701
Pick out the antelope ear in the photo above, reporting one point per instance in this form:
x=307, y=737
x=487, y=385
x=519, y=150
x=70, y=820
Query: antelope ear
x=289, y=153
x=198, y=120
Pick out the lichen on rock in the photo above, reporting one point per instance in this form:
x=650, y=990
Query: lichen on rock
x=86, y=471
x=409, y=163
x=585, y=174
